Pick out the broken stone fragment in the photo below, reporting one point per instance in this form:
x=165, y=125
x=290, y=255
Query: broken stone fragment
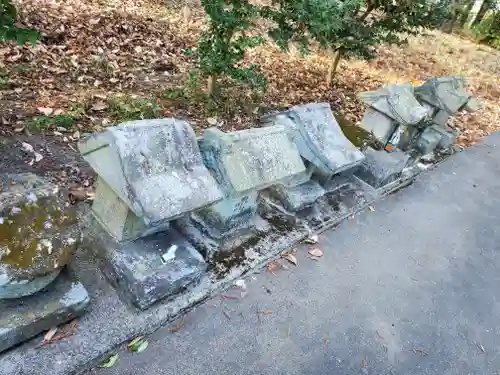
x=447, y=94
x=381, y=168
x=38, y=234
x=396, y=102
x=318, y=137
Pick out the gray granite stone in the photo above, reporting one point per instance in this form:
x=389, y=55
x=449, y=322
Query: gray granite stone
x=38, y=234
x=152, y=168
x=148, y=269
x=428, y=140
x=378, y=124
x=250, y=160
x=381, y=168
x=298, y=197
x=24, y=318
x=224, y=216
x=397, y=102
x=444, y=93
x=318, y=137
x=448, y=136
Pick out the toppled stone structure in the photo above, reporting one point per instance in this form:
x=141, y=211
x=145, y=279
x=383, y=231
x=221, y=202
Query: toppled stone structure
x=323, y=146
x=445, y=96
x=150, y=172
x=242, y=162
x=394, y=115
x=38, y=236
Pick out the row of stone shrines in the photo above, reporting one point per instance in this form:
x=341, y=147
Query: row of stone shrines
x=170, y=207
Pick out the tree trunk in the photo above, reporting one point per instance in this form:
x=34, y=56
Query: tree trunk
x=332, y=68
x=464, y=16
x=485, y=6
x=211, y=85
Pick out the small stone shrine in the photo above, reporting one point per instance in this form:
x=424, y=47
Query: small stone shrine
x=321, y=144
x=243, y=162
x=38, y=236
x=150, y=172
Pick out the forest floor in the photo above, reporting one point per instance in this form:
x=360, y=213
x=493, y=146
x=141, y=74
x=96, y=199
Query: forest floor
x=102, y=62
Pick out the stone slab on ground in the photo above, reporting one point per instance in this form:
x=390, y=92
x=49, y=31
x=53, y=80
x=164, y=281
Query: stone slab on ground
x=23, y=318
x=297, y=197
x=380, y=167
x=148, y=269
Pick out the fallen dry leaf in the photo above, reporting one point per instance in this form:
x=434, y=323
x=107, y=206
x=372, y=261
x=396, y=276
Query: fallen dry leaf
x=99, y=106
x=47, y=111
x=177, y=327
x=264, y=312
x=316, y=252
x=363, y=363
x=291, y=258
x=371, y=208
x=81, y=194
x=273, y=266
x=50, y=334
x=67, y=331
x=212, y=121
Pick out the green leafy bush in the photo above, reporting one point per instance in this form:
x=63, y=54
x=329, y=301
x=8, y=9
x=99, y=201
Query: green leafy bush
x=488, y=31
x=8, y=28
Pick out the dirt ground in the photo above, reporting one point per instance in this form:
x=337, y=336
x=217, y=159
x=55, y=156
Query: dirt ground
x=106, y=61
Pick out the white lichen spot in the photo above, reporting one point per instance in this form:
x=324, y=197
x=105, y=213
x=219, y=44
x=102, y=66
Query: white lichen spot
x=70, y=241
x=32, y=198
x=15, y=210
x=47, y=225
x=47, y=244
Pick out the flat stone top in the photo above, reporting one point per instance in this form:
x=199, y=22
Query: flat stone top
x=319, y=137
x=38, y=229
x=161, y=172
x=396, y=101
x=251, y=159
x=446, y=93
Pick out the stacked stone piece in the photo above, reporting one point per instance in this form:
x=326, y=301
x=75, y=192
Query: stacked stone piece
x=38, y=236
x=150, y=172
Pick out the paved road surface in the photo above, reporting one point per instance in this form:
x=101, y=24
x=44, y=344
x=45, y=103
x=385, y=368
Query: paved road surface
x=412, y=288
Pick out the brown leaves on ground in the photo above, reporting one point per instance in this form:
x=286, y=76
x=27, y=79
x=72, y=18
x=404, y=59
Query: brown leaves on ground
x=289, y=255
x=101, y=61
x=177, y=326
x=52, y=335
x=316, y=252
x=81, y=194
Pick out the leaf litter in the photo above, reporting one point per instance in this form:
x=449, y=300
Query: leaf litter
x=133, y=49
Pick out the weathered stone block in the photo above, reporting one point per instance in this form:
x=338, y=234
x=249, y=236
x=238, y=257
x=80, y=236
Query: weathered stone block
x=38, y=234
x=448, y=136
x=148, y=269
x=444, y=93
x=250, y=160
x=377, y=123
x=318, y=137
x=381, y=168
x=228, y=214
x=397, y=102
x=152, y=167
x=298, y=197
x=24, y=318
x=428, y=140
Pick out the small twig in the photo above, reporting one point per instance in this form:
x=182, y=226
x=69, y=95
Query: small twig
x=419, y=351
x=225, y=296
x=226, y=314
x=416, y=261
x=481, y=347
x=177, y=327
x=379, y=335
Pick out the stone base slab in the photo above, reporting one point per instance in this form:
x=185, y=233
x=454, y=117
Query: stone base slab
x=24, y=318
x=148, y=269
